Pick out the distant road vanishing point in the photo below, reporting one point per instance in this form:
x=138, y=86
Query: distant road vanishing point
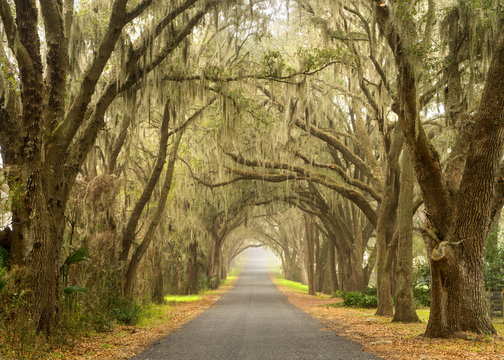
x=254, y=321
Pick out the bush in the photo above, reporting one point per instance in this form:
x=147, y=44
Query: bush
x=421, y=275
x=493, y=260
x=370, y=291
x=359, y=299
x=338, y=294
x=422, y=295
x=127, y=312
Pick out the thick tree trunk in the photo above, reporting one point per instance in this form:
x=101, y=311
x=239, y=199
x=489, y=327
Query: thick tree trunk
x=289, y=267
x=404, y=304
x=458, y=221
x=214, y=262
x=385, y=228
x=321, y=266
x=39, y=270
x=350, y=272
x=192, y=268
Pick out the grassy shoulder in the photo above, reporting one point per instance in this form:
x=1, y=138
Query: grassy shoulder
x=293, y=285
x=390, y=340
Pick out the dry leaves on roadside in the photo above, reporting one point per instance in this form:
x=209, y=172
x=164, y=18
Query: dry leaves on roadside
x=390, y=340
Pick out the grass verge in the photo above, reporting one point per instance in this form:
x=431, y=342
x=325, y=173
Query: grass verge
x=293, y=285
x=181, y=298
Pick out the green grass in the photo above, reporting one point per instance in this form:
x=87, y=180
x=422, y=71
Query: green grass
x=181, y=298
x=499, y=326
x=423, y=314
x=229, y=279
x=152, y=314
x=294, y=285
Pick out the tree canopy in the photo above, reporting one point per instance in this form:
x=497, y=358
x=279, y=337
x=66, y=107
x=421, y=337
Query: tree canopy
x=162, y=139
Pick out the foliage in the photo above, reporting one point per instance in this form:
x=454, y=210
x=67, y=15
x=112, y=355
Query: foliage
x=370, y=291
x=359, y=299
x=4, y=255
x=126, y=312
x=338, y=294
x=71, y=295
x=312, y=59
x=422, y=295
x=204, y=281
x=421, y=275
x=76, y=257
x=273, y=63
x=493, y=260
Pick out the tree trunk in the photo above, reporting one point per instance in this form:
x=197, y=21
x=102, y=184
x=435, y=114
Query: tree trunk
x=149, y=235
x=130, y=229
x=38, y=269
x=214, y=261
x=457, y=222
x=350, y=272
x=385, y=228
x=309, y=259
x=223, y=271
x=332, y=268
x=405, y=305
x=158, y=283
x=192, y=268
x=289, y=267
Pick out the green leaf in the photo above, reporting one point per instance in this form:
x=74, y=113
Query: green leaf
x=4, y=257
x=74, y=289
x=79, y=255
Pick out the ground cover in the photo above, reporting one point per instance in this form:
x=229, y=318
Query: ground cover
x=395, y=340
x=123, y=342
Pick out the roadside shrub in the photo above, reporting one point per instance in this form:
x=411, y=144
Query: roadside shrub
x=359, y=299
x=338, y=294
x=370, y=291
x=422, y=295
x=127, y=312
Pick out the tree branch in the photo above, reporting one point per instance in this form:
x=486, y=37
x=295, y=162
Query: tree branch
x=345, y=151
x=299, y=173
x=10, y=28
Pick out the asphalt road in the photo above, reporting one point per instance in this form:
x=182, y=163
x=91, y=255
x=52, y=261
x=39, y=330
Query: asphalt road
x=254, y=321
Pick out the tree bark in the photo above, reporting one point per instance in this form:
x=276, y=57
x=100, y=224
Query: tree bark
x=385, y=229
x=214, y=261
x=404, y=304
x=192, y=268
x=309, y=258
x=158, y=282
x=332, y=268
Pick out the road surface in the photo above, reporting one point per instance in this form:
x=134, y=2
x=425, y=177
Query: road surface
x=254, y=321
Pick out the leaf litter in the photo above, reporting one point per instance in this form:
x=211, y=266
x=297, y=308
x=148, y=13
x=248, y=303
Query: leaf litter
x=379, y=335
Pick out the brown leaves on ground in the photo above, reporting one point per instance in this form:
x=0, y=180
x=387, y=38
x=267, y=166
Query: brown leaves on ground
x=390, y=340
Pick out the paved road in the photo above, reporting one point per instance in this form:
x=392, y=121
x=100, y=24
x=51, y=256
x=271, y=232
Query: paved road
x=254, y=321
